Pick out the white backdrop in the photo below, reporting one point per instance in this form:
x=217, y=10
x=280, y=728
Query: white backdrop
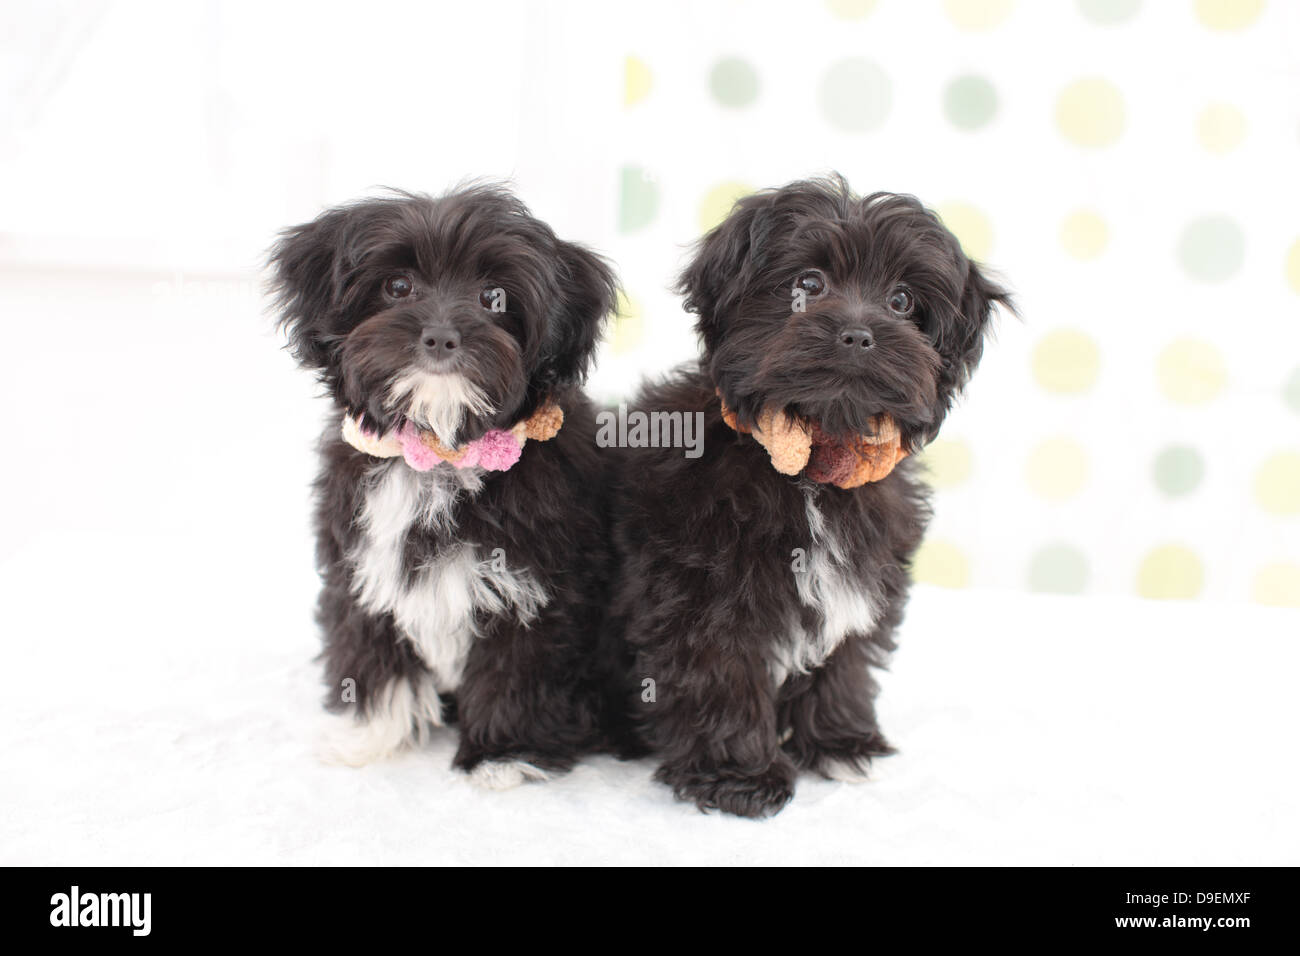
x=1128, y=167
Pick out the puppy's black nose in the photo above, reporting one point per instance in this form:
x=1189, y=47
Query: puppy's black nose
x=857, y=338
x=439, y=339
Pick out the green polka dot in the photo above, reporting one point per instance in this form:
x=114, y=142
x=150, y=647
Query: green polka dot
x=1212, y=248
x=638, y=200
x=1171, y=572
x=1058, y=569
x=855, y=95
x=1066, y=361
x=1178, y=470
x=1106, y=12
x=1291, y=391
x=1090, y=112
x=733, y=82
x=970, y=102
x=1277, y=484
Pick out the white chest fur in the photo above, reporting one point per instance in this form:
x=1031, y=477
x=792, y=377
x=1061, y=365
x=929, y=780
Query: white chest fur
x=439, y=607
x=836, y=590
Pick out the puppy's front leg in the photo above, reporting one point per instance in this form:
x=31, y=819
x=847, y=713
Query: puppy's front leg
x=714, y=720
x=379, y=693
x=831, y=717
x=525, y=705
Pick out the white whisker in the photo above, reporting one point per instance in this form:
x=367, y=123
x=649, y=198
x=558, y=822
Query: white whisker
x=438, y=402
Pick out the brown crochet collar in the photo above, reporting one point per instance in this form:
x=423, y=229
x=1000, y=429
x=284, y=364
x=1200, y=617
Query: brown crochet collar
x=798, y=446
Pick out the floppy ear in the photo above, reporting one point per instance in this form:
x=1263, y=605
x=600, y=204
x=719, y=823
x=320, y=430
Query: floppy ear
x=964, y=343
x=960, y=339
x=588, y=291
x=724, y=262
x=306, y=282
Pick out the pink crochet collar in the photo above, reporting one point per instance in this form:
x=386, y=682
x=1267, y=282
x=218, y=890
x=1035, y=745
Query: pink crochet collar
x=496, y=450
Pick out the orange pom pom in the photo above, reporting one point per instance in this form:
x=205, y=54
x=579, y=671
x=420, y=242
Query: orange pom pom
x=846, y=464
x=544, y=423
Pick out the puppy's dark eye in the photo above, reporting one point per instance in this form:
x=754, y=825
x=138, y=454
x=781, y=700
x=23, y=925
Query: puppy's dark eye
x=493, y=298
x=901, y=300
x=399, y=286
x=813, y=283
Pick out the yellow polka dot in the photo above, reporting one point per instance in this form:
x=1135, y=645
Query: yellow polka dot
x=1221, y=127
x=718, y=201
x=1277, y=484
x=1066, y=361
x=947, y=462
x=941, y=562
x=971, y=227
x=1293, y=266
x=1084, y=234
x=977, y=14
x=628, y=325
x=1228, y=14
x=1090, y=112
x=1057, y=469
x=1171, y=572
x=851, y=9
x=1191, y=372
x=1278, y=585
x=636, y=80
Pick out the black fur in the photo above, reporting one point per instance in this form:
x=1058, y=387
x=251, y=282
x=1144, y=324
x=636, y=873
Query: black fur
x=526, y=691
x=707, y=597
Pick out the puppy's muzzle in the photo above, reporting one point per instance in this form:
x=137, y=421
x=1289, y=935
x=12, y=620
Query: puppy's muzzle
x=439, y=341
x=855, y=340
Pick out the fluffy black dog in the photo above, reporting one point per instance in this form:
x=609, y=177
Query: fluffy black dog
x=454, y=593
x=754, y=601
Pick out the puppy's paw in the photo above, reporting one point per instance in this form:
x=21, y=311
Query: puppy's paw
x=505, y=774
x=846, y=761
x=844, y=770
x=347, y=742
x=761, y=794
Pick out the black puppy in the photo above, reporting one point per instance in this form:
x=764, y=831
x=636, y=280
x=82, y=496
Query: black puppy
x=461, y=538
x=753, y=603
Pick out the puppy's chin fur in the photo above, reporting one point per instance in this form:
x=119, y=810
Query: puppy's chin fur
x=758, y=602
x=438, y=402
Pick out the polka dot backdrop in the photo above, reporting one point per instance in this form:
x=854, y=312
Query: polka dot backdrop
x=1126, y=165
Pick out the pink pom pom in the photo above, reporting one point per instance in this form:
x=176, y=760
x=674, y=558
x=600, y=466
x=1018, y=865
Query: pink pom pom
x=497, y=450
x=417, y=454
x=470, y=458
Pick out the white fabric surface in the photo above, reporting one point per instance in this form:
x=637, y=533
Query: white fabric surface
x=1031, y=730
